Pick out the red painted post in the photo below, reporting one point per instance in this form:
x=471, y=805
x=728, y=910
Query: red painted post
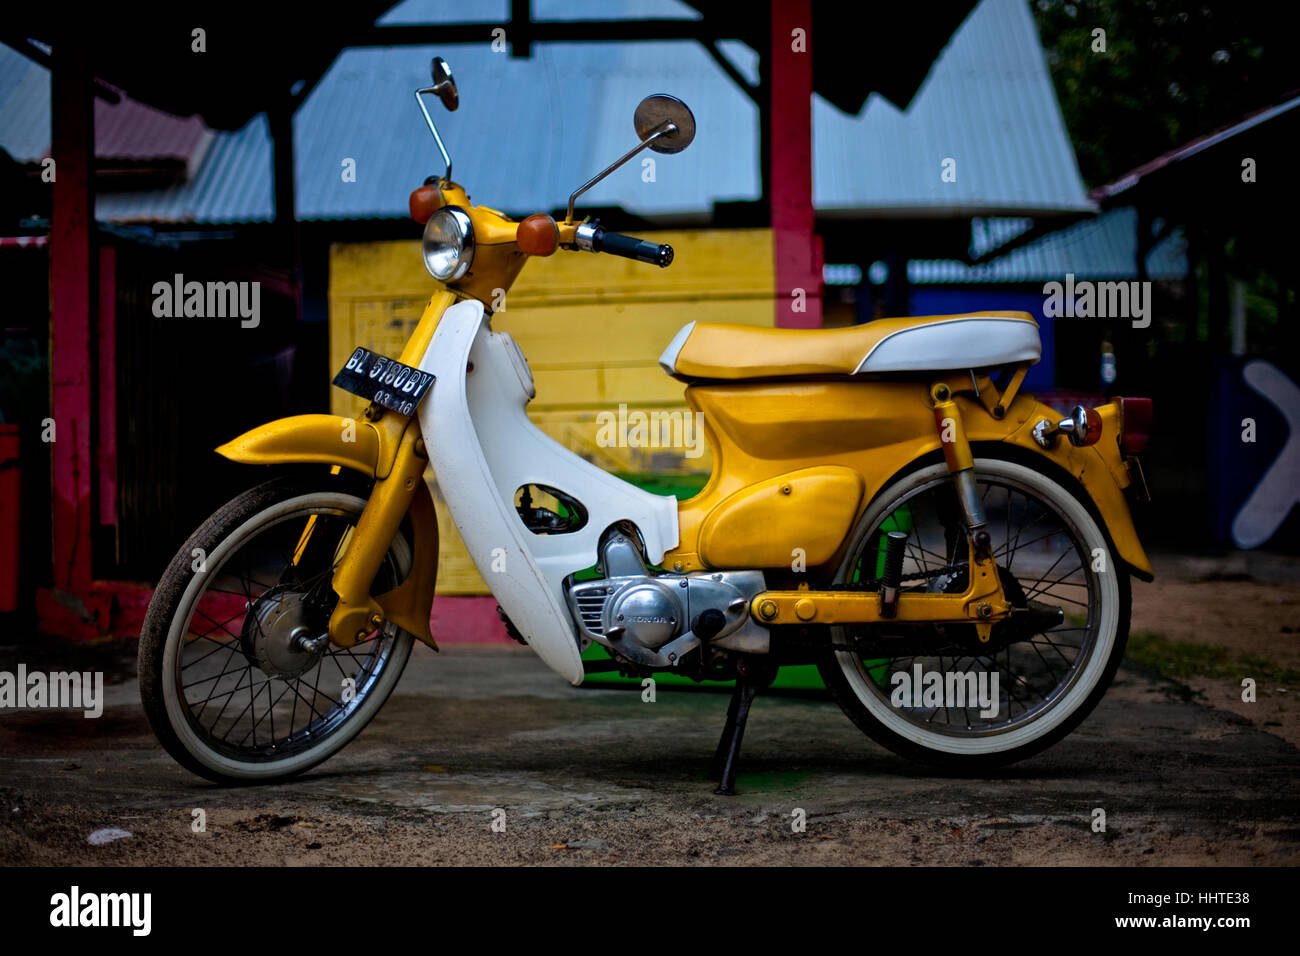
x=11, y=517
x=106, y=447
x=795, y=248
x=71, y=328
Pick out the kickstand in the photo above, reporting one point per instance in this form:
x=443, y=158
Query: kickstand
x=749, y=682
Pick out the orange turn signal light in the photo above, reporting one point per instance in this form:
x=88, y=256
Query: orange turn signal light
x=1092, y=427
x=538, y=235
x=425, y=201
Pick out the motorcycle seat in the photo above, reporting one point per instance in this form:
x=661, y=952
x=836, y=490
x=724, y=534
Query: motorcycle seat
x=931, y=343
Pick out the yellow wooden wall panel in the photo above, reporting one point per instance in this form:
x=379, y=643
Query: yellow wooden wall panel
x=592, y=327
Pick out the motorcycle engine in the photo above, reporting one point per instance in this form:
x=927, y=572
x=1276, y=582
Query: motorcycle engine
x=645, y=611
x=654, y=619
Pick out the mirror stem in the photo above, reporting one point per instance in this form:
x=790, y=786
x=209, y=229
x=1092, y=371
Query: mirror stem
x=662, y=130
x=434, y=129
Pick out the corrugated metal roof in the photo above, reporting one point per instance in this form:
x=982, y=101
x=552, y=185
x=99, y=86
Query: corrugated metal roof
x=131, y=130
x=986, y=234
x=440, y=11
x=1100, y=248
x=604, y=10
x=234, y=185
x=568, y=110
x=126, y=130
x=988, y=103
x=24, y=107
x=498, y=11
x=529, y=131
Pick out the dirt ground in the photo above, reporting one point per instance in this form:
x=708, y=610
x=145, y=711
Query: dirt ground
x=1186, y=773
x=1239, y=617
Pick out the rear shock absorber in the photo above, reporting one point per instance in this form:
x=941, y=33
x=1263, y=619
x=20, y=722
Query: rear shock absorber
x=892, y=577
x=961, y=463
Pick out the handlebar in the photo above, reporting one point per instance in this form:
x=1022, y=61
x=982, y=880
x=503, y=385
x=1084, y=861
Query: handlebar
x=630, y=247
x=600, y=239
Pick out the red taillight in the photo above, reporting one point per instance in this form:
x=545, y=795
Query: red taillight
x=1135, y=418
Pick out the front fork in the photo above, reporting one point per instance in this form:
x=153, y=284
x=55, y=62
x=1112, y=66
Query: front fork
x=357, y=613
x=399, y=475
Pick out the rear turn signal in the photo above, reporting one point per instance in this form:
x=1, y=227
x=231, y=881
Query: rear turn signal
x=1086, y=430
x=1083, y=428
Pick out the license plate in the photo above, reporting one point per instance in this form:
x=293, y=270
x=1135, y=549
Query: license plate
x=384, y=381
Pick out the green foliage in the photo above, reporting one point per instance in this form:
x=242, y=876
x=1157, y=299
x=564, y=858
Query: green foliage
x=1171, y=71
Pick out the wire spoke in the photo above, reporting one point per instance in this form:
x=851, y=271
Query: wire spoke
x=289, y=560
x=1061, y=580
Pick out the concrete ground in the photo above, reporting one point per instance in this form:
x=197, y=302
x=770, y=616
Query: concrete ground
x=596, y=776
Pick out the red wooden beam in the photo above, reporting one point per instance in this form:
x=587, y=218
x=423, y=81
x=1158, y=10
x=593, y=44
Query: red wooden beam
x=72, y=270
x=106, y=446
x=117, y=609
x=796, y=249
x=471, y=619
x=11, y=518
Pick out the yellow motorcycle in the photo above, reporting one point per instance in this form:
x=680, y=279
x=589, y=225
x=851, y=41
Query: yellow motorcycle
x=885, y=501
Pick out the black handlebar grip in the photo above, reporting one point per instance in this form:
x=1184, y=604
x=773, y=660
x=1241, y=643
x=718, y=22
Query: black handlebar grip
x=630, y=247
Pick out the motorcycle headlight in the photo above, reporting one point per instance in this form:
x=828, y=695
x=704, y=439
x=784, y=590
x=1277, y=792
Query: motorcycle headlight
x=448, y=243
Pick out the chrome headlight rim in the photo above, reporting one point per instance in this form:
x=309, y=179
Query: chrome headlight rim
x=462, y=229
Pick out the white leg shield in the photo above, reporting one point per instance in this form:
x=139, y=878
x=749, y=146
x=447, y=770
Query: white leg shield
x=483, y=448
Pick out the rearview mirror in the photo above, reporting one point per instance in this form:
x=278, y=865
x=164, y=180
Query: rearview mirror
x=662, y=110
x=444, y=87
x=444, y=84
x=663, y=123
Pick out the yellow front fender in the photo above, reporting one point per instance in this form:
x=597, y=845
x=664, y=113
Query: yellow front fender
x=312, y=439
x=370, y=448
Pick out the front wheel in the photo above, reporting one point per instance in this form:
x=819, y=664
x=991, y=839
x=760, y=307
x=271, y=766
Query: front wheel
x=937, y=694
x=237, y=674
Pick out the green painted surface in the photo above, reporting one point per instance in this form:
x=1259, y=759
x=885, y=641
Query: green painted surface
x=679, y=486
x=795, y=677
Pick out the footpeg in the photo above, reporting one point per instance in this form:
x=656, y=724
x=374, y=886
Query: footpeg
x=895, y=545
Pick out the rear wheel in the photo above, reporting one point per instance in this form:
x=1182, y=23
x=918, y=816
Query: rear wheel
x=939, y=695
x=237, y=674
